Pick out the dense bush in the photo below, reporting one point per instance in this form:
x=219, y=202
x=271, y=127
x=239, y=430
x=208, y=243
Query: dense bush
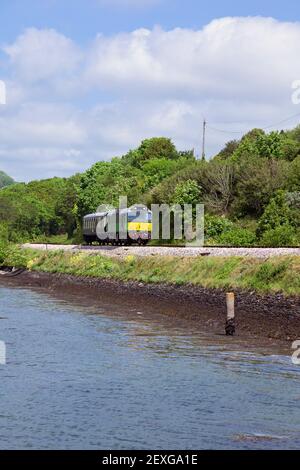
x=278, y=213
x=3, y=251
x=38, y=208
x=237, y=237
x=283, y=235
x=152, y=149
x=3, y=233
x=293, y=175
x=216, y=226
x=187, y=192
x=258, y=179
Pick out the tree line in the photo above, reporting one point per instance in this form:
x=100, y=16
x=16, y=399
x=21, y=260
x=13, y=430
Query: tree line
x=251, y=191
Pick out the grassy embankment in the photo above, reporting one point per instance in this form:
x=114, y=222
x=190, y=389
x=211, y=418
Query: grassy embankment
x=279, y=274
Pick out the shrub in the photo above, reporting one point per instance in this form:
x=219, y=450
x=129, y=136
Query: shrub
x=3, y=233
x=283, y=235
x=187, y=192
x=16, y=256
x=293, y=175
x=277, y=213
x=215, y=226
x=3, y=251
x=237, y=237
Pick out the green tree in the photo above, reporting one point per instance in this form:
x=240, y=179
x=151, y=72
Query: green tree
x=105, y=182
x=258, y=179
x=275, y=145
x=66, y=206
x=152, y=149
x=277, y=213
x=293, y=175
x=228, y=150
x=187, y=192
x=158, y=169
x=164, y=192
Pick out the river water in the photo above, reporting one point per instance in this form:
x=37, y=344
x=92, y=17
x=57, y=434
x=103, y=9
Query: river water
x=80, y=376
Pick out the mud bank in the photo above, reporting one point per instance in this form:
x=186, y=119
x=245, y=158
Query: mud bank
x=271, y=316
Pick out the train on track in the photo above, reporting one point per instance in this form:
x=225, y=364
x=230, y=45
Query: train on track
x=118, y=227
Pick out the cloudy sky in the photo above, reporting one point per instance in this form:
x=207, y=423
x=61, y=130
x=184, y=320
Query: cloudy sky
x=88, y=79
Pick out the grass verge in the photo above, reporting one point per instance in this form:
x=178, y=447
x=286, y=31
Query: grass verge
x=278, y=274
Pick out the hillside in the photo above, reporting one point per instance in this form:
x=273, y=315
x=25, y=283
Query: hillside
x=5, y=180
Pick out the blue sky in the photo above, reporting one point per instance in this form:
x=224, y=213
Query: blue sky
x=83, y=19
x=88, y=79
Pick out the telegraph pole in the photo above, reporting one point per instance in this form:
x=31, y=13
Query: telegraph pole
x=203, y=139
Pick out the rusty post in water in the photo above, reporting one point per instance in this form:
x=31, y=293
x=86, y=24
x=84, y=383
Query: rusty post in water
x=230, y=321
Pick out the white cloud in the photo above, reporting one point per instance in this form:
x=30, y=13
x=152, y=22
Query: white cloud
x=43, y=54
x=68, y=106
x=40, y=124
x=244, y=56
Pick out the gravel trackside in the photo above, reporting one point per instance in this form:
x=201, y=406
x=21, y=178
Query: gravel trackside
x=122, y=251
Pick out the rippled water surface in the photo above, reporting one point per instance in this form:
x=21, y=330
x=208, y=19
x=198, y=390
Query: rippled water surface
x=113, y=377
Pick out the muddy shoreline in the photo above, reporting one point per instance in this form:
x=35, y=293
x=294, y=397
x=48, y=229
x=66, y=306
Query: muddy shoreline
x=271, y=316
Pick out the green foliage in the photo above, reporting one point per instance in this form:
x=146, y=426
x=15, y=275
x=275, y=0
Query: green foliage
x=158, y=169
x=279, y=274
x=246, y=150
x=187, y=192
x=277, y=213
x=105, y=182
x=237, y=237
x=33, y=209
x=283, y=235
x=293, y=200
x=240, y=183
x=275, y=145
x=228, y=150
x=257, y=180
x=66, y=206
x=60, y=239
x=132, y=175
x=152, y=149
x=14, y=256
x=270, y=272
x=3, y=251
x=216, y=226
x=3, y=233
x=293, y=175
x=164, y=192
x=272, y=146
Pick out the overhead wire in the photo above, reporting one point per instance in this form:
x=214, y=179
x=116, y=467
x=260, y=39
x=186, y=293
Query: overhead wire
x=226, y=131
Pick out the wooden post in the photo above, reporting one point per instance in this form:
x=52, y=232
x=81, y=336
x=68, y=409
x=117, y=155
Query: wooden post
x=230, y=321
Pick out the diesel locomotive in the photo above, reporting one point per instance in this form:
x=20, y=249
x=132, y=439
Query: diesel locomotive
x=119, y=227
